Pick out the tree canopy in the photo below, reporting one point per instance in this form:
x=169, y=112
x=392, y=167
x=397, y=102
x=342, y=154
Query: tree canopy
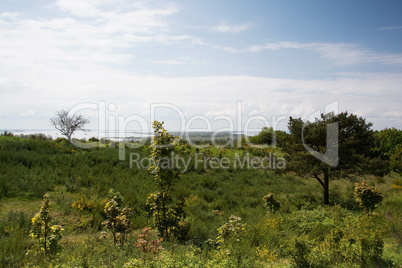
x=390, y=147
x=314, y=153
x=269, y=136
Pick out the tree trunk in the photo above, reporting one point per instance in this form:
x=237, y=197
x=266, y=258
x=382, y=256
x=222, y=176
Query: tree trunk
x=165, y=227
x=45, y=235
x=326, y=188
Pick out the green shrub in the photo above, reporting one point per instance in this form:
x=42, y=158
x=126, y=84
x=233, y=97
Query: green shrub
x=367, y=196
x=271, y=204
x=299, y=250
x=117, y=218
x=47, y=235
x=167, y=220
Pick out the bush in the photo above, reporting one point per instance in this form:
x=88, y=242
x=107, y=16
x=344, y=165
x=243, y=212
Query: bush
x=148, y=244
x=117, y=218
x=47, y=235
x=299, y=251
x=367, y=196
x=270, y=203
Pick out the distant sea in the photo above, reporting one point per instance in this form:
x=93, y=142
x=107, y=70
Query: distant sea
x=129, y=135
x=80, y=134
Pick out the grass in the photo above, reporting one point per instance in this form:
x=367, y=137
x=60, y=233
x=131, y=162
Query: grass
x=211, y=197
x=15, y=205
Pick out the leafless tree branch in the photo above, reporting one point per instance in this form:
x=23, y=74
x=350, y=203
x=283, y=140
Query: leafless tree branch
x=68, y=124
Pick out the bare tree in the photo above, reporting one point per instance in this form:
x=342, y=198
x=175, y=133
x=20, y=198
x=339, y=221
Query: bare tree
x=67, y=124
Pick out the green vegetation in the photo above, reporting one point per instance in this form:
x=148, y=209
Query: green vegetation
x=214, y=217
x=166, y=219
x=47, y=235
x=390, y=147
x=331, y=135
x=367, y=196
x=117, y=219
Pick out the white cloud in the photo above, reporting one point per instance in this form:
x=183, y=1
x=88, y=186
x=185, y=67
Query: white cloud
x=170, y=62
x=78, y=8
x=279, y=45
x=180, y=61
x=338, y=53
x=57, y=62
x=9, y=15
x=348, y=54
x=28, y=113
x=364, y=94
x=390, y=28
x=226, y=28
x=92, y=32
x=231, y=49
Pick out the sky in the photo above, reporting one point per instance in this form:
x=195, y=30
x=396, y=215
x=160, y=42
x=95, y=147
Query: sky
x=199, y=65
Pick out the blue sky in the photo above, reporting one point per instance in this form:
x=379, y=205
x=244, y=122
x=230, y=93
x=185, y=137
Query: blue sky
x=276, y=58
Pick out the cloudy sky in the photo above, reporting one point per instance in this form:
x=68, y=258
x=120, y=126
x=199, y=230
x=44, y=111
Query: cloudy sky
x=272, y=59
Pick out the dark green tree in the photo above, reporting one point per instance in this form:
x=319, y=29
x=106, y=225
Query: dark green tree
x=389, y=145
x=269, y=136
x=331, y=147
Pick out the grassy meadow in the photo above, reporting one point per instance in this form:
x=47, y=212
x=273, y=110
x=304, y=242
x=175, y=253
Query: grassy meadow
x=226, y=222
